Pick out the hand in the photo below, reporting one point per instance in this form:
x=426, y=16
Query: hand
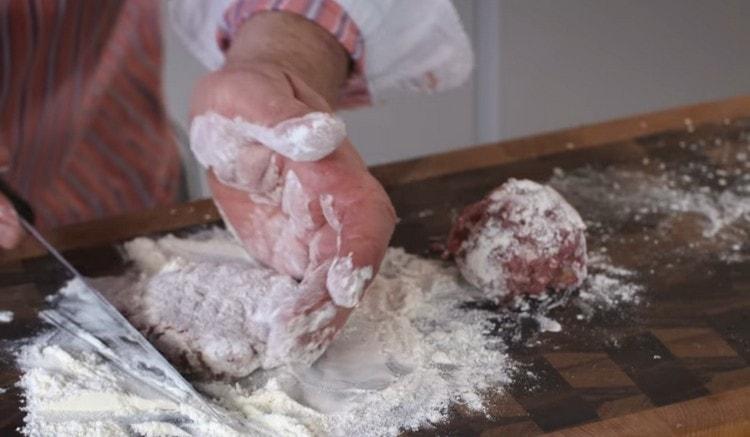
x=10, y=228
x=304, y=219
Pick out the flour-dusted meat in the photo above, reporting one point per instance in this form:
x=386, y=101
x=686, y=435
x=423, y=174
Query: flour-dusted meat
x=213, y=310
x=521, y=238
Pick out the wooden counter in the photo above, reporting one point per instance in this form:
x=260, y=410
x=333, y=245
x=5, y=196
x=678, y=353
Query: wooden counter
x=598, y=376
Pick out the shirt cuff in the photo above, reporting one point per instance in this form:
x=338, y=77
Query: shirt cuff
x=326, y=13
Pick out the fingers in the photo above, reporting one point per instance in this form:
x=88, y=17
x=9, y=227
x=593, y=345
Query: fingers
x=367, y=222
x=262, y=227
x=219, y=144
x=236, y=112
x=10, y=229
x=301, y=330
x=360, y=222
x=308, y=138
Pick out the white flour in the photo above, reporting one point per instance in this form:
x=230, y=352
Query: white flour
x=410, y=350
x=418, y=342
x=606, y=287
x=6, y=316
x=407, y=353
x=73, y=392
x=721, y=212
x=218, y=142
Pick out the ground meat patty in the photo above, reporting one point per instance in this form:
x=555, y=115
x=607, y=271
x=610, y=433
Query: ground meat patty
x=208, y=307
x=523, y=237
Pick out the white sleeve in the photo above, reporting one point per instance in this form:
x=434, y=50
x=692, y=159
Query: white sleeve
x=411, y=44
x=196, y=23
x=416, y=45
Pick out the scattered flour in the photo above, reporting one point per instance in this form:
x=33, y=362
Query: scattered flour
x=415, y=345
x=6, y=316
x=723, y=211
x=548, y=325
x=159, y=429
x=607, y=285
x=420, y=340
x=407, y=353
x=73, y=392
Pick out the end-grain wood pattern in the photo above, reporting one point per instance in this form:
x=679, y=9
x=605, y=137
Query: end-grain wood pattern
x=677, y=363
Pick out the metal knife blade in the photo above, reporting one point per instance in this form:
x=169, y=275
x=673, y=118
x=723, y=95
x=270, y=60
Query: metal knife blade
x=90, y=317
x=122, y=332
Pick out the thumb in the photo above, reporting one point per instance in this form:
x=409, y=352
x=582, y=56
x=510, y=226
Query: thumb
x=238, y=141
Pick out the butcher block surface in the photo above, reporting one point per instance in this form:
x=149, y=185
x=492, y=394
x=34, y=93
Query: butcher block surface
x=676, y=362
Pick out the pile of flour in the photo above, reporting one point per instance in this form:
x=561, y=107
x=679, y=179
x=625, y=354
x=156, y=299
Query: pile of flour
x=419, y=341
x=407, y=353
x=410, y=350
x=71, y=391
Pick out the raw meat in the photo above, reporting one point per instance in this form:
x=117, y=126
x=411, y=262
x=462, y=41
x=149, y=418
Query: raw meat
x=521, y=238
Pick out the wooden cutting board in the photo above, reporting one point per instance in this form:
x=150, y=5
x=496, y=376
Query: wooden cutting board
x=676, y=363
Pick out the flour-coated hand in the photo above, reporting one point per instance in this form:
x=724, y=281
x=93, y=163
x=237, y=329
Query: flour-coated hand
x=298, y=218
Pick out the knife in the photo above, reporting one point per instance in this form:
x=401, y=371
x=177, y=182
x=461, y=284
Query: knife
x=87, y=315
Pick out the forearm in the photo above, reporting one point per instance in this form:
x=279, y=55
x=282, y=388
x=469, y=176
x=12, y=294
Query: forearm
x=295, y=44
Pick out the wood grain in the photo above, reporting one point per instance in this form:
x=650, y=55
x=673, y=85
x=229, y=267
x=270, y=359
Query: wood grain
x=621, y=130
x=170, y=218
x=118, y=228
x=677, y=364
x=722, y=414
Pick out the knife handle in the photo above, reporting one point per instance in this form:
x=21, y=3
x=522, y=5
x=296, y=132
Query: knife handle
x=23, y=208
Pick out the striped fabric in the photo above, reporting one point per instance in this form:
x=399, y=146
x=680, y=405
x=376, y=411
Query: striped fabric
x=81, y=111
x=326, y=13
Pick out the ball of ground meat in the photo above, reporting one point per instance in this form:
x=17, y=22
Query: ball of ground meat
x=523, y=237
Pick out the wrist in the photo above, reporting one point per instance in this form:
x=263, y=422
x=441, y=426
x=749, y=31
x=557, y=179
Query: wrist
x=292, y=43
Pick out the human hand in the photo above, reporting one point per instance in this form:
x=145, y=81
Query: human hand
x=326, y=223
x=10, y=228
